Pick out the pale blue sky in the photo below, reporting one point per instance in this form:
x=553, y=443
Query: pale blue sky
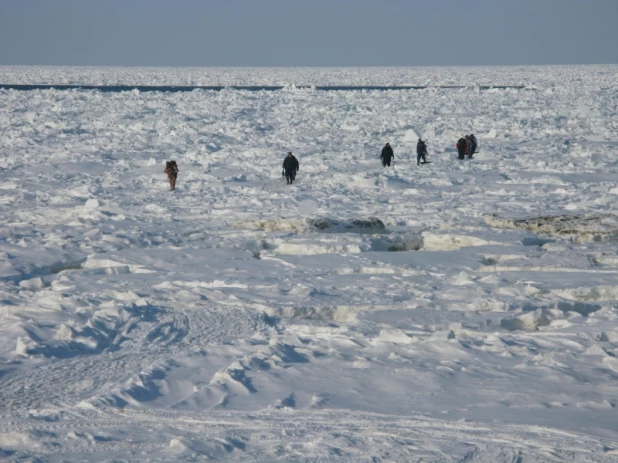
x=308, y=33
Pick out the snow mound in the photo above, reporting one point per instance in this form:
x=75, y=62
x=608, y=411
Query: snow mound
x=579, y=228
x=532, y=321
x=589, y=293
x=451, y=242
x=410, y=136
x=17, y=440
x=308, y=249
x=397, y=243
x=491, y=134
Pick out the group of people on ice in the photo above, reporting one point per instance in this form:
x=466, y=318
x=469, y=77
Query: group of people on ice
x=388, y=154
x=465, y=146
x=290, y=167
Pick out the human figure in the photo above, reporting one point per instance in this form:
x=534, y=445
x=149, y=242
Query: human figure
x=468, y=146
x=386, y=155
x=171, y=169
x=290, y=167
x=421, y=152
x=461, y=148
x=473, y=144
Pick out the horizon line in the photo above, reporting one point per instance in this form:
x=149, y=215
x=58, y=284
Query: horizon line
x=303, y=66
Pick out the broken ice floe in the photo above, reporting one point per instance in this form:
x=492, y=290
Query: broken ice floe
x=367, y=225
x=449, y=242
x=344, y=244
x=579, y=228
x=534, y=317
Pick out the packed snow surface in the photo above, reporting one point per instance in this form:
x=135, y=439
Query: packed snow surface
x=459, y=311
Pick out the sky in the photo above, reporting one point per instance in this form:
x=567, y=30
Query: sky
x=307, y=32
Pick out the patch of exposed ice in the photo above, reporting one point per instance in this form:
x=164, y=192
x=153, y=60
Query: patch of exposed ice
x=579, y=228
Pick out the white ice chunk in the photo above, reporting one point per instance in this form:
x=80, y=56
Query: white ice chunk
x=92, y=204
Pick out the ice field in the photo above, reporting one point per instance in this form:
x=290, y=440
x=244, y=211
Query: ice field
x=459, y=311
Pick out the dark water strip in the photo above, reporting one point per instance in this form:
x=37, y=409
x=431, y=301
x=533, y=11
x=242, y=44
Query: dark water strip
x=249, y=88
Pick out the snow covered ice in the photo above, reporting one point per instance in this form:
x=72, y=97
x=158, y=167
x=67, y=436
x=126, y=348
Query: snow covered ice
x=456, y=311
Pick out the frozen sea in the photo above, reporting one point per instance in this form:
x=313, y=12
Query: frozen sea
x=458, y=311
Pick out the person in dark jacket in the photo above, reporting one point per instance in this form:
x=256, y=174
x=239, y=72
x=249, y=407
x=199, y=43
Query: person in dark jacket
x=171, y=169
x=461, y=148
x=290, y=167
x=468, y=145
x=421, y=152
x=473, y=145
x=387, y=155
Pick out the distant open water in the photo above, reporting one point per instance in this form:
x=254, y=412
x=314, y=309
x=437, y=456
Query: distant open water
x=250, y=88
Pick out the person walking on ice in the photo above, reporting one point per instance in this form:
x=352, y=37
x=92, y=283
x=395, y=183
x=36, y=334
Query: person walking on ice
x=468, y=146
x=421, y=152
x=171, y=169
x=387, y=155
x=290, y=167
x=473, y=145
